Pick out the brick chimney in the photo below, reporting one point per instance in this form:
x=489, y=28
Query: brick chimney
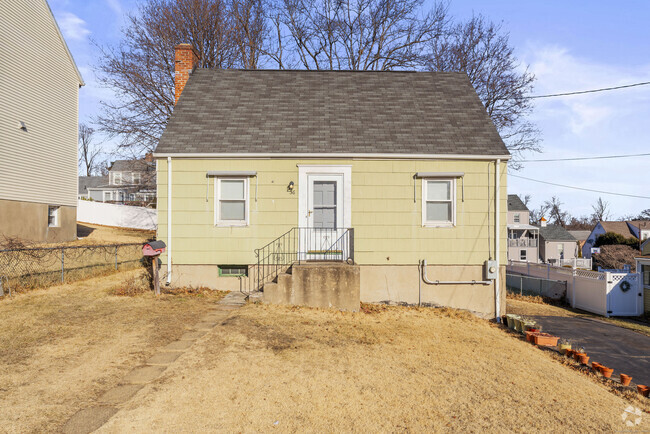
x=187, y=59
x=148, y=157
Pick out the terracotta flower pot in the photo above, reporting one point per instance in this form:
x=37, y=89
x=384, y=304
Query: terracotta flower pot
x=576, y=356
x=530, y=336
x=583, y=359
x=544, y=339
x=607, y=372
x=625, y=380
x=569, y=352
x=643, y=390
x=595, y=366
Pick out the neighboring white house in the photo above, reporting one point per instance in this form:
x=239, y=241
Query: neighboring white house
x=556, y=245
x=127, y=181
x=629, y=229
x=523, y=238
x=39, y=93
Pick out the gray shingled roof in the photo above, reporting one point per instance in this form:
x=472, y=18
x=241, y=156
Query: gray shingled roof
x=516, y=204
x=555, y=233
x=91, y=181
x=130, y=166
x=262, y=111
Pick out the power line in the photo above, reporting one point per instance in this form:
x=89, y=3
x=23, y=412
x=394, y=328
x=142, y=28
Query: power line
x=580, y=188
x=602, y=157
x=581, y=92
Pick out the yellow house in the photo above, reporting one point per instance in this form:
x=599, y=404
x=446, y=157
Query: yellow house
x=400, y=173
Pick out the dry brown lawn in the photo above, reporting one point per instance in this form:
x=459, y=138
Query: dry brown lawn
x=62, y=347
x=97, y=234
x=389, y=370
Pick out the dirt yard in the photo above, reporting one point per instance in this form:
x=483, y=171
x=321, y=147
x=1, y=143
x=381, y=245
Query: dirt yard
x=62, y=347
x=390, y=369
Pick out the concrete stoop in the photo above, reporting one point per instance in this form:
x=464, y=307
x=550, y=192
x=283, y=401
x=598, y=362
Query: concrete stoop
x=317, y=284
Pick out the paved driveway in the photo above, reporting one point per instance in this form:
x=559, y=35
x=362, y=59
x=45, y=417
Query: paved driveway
x=626, y=351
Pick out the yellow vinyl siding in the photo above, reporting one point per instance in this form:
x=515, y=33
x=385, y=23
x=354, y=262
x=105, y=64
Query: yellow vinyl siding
x=39, y=86
x=387, y=221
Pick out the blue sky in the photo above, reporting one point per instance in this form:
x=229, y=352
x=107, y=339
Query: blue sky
x=569, y=46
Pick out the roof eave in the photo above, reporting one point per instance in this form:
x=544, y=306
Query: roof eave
x=374, y=156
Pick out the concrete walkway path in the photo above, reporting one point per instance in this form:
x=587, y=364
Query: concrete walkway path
x=89, y=419
x=626, y=351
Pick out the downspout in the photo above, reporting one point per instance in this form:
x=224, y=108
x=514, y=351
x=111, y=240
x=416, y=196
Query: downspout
x=169, y=220
x=497, y=280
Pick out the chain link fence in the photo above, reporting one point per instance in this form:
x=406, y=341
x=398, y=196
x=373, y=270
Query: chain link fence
x=28, y=268
x=527, y=285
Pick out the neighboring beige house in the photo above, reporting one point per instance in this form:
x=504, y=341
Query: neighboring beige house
x=39, y=88
x=523, y=238
x=378, y=171
x=556, y=245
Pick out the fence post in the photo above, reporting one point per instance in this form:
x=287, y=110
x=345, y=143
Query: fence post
x=62, y=265
x=115, y=258
x=573, y=290
x=521, y=285
x=548, y=271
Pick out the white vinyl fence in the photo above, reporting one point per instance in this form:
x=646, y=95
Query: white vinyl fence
x=607, y=294
x=110, y=214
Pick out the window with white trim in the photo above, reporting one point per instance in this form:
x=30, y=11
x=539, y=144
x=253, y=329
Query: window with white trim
x=117, y=178
x=517, y=218
x=135, y=178
x=231, y=201
x=53, y=216
x=522, y=255
x=439, y=202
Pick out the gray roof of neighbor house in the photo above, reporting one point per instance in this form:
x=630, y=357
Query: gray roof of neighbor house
x=91, y=181
x=131, y=166
x=580, y=235
x=516, y=204
x=289, y=111
x=555, y=233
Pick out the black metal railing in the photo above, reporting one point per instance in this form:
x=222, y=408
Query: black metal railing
x=295, y=246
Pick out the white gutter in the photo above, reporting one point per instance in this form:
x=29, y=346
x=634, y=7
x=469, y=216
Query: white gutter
x=169, y=220
x=449, y=282
x=331, y=155
x=497, y=280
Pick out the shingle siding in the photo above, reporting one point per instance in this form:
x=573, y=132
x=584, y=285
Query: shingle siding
x=235, y=111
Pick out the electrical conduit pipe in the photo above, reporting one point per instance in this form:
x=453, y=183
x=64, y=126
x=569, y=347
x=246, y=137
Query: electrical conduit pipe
x=423, y=268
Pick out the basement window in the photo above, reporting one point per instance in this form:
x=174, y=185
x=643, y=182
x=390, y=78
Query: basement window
x=53, y=216
x=233, y=270
x=439, y=203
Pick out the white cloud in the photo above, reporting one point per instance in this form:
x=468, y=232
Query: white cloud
x=72, y=26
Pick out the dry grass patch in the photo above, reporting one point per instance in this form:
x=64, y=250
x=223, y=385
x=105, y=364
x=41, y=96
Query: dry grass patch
x=383, y=369
x=62, y=347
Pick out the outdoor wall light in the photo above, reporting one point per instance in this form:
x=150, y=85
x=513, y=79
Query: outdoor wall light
x=22, y=126
x=291, y=187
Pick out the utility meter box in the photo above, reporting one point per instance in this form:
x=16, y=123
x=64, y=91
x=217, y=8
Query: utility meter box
x=491, y=270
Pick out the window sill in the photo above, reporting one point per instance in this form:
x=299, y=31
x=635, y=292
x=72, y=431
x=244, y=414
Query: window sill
x=438, y=225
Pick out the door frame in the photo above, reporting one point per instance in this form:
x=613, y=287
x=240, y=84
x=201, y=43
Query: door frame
x=313, y=171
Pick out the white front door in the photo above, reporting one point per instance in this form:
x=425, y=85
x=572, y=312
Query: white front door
x=323, y=210
x=324, y=216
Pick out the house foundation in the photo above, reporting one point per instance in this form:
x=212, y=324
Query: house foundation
x=29, y=221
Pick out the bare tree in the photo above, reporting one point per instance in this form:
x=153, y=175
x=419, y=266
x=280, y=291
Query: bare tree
x=141, y=68
x=482, y=49
x=557, y=215
x=527, y=198
x=601, y=211
x=89, y=151
x=354, y=34
x=250, y=31
x=537, y=214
